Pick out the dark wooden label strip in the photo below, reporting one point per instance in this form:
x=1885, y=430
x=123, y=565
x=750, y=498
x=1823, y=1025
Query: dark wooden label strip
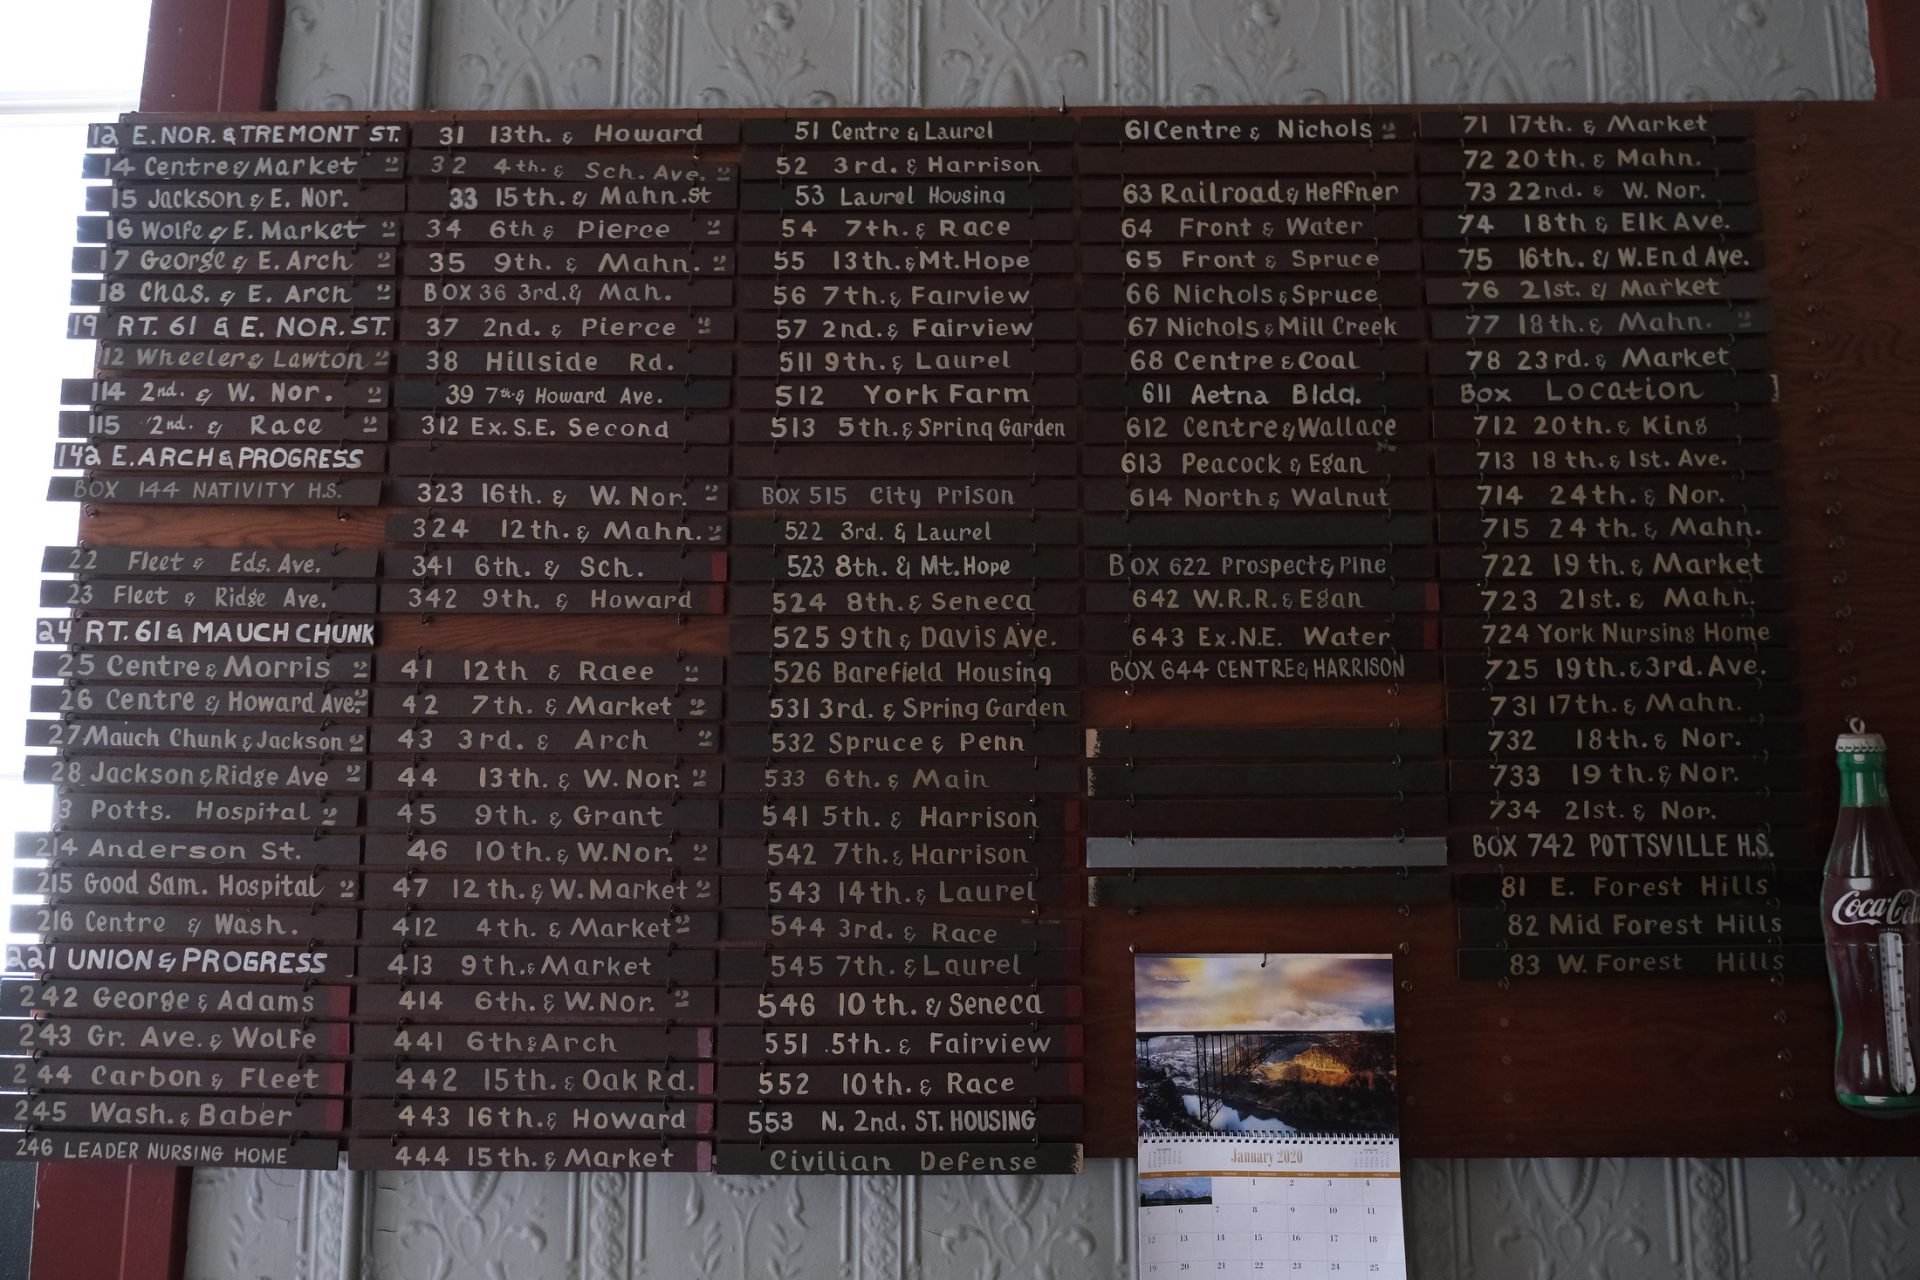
x=1599, y=356
x=201, y=1150
x=441, y=851
x=149, y=922
x=510, y=736
x=676, y=131
x=1635, y=889
x=924, y=669
x=1227, y=226
x=574, y=262
x=1263, y=597
x=533, y=1004
x=1778, y=960
x=1693, y=703
x=882, y=1122
x=523, y=668
x=657, y=814
x=111, y=699
x=891, y=893
x=636, y=1080
x=911, y=966
x=508, y=892
x=76, y=848
x=93, y=632
x=1724, y=738
x=1241, y=889
x=48, y=1113
x=830, y=195
x=1645, y=806
x=74, y=739
x=1572, y=123
x=132, y=455
x=856, y=776
x=914, y=130
x=711, y=189
x=860, y=1005
x=1559, y=670
x=1182, y=668
x=201, y=229
x=915, y=854
x=1556, y=223
x=591, y=428
x=418, y=1117
x=804, y=930
x=225, y=424
x=1209, y=817
x=904, y=226
x=787, y=815
x=197, y=165
x=528, y=1155
x=1603, y=425
x=440, y=596
x=534, y=929
x=1248, y=156
x=901, y=637
x=613, y=294
x=642, y=526
x=227, y=294
x=214, y=491
x=551, y=496
x=417, y=1042
x=225, y=562
x=231, y=773
x=412, y=964
x=187, y=595
x=1028, y=599
x=1384, y=529
x=1640, y=529
x=946, y=1042
x=139, y=811
x=271, y=1041
x=1509, y=190
x=173, y=1075
x=1218, y=778
x=64, y=884
x=608, y=700
x=133, y=261
x=174, y=999
x=218, y=133
x=1368, y=192
x=1187, y=853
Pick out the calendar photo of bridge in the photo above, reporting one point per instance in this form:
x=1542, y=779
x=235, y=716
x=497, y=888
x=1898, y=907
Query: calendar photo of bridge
x=1276, y=1045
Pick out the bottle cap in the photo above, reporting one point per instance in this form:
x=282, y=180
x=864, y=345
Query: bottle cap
x=1856, y=743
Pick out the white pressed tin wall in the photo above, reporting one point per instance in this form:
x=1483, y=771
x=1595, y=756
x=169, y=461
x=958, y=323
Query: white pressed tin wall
x=1467, y=1220
x=358, y=55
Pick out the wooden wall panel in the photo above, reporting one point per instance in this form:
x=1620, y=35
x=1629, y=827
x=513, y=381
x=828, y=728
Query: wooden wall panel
x=1696, y=1068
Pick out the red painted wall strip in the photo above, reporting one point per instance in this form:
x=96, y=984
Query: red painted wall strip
x=212, y=55
x=110, y=1222
x=1893, y=26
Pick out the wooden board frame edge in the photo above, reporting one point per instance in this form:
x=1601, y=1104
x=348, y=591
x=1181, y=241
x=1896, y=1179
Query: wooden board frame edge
x=1893, y=33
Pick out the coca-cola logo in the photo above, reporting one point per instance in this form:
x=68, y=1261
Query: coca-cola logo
x=1855, y=907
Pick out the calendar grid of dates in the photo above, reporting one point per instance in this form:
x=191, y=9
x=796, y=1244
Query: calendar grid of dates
x=613, y=642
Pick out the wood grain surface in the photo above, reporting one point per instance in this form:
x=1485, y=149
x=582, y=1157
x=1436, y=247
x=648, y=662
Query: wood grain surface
x=1738, y=1066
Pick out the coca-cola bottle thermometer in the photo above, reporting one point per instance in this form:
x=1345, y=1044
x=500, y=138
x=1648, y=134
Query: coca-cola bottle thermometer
x=1871, y=903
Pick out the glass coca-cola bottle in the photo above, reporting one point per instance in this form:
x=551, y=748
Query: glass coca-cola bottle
x=1871, y=914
